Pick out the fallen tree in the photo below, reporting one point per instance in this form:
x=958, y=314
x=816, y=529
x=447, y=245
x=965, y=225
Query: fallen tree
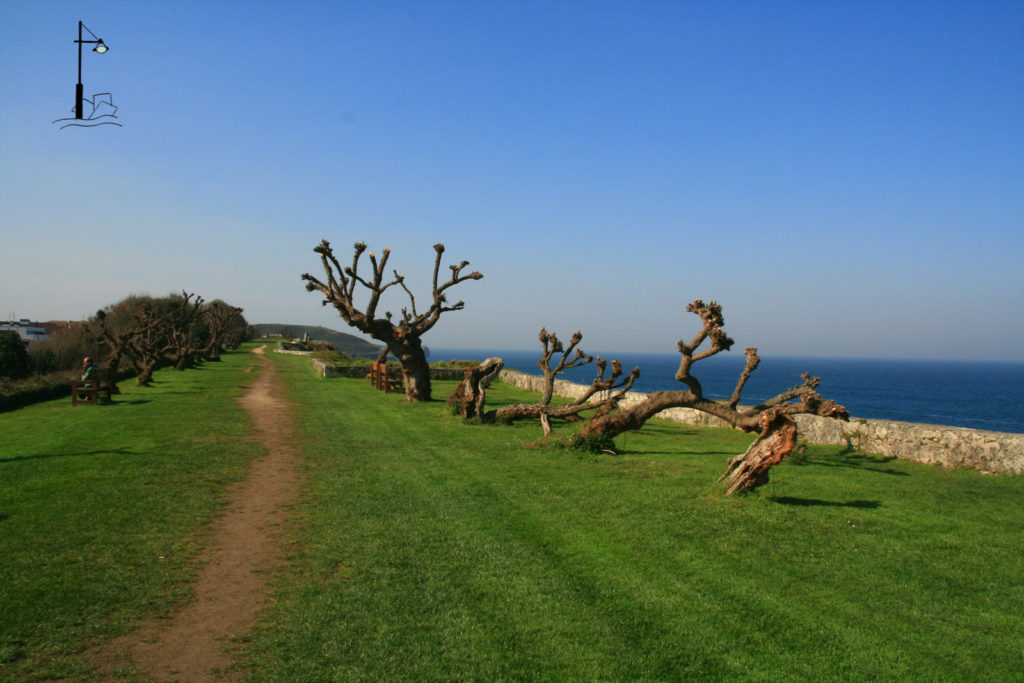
x=403, y=338
x=771, y=419
x=613, y=387
x=469, y=396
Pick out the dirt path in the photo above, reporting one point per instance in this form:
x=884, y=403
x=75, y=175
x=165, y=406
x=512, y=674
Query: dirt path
x=243, y=549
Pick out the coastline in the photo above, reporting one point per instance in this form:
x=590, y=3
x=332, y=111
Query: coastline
x=988, y=451
x=984, y=395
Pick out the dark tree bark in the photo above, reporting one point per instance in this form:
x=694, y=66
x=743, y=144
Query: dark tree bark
x=150, y=345
x=403, y=338
x=771, y=419
x=119, y=341
x=219, y=318
x=184, y=315
x=470, y=397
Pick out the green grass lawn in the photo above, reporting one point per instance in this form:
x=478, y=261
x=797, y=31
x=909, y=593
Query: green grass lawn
x=434, y=549
x=427, y=548
x=101, y=509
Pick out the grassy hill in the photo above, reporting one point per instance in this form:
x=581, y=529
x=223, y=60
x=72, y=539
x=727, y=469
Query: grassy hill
x=346, y=343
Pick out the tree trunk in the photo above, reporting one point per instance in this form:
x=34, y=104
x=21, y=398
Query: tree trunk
x=144, y=371
x=613, y=424
x=415, y=369
x=549, y=390
x=112, y=369
x=776, y=440
x=470, y=397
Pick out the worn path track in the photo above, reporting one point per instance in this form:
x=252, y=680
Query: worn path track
x=244, y=547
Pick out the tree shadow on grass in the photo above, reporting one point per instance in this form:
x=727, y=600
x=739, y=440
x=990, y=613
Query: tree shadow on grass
x=40, y=456
x=815, y=502
x=852, y=459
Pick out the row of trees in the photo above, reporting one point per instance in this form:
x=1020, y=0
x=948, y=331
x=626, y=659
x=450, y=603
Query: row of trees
x=771, y=420
x=146, y=333
x=178, y=330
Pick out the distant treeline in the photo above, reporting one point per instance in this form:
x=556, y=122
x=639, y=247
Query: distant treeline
x=134, y=336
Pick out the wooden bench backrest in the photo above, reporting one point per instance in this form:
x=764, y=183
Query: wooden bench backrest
x=381, y=378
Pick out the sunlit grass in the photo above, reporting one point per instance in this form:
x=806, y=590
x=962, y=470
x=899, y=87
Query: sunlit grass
x=428, y=548
x=101, y=507
x=436, y=549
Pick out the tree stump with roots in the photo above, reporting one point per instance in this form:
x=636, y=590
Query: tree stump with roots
x=470, y=397
x=776, y=441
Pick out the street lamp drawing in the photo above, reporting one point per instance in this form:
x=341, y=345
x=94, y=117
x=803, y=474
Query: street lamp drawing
x=102, y=103
x=100, y=48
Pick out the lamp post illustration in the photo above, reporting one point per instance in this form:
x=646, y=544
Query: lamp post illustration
x=100, y=48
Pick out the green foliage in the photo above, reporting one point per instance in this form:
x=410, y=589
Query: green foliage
x=65, y=350
x=594, y=443
x=35, y=388
x=14, y=362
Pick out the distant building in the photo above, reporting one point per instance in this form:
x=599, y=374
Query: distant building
x=27, y=330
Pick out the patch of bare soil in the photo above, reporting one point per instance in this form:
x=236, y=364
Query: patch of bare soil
x=244, y=548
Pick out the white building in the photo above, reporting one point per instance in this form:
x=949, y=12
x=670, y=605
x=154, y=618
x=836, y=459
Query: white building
x=27, y=330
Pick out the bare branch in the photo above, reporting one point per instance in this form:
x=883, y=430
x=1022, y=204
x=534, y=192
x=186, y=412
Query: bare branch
x=752, y=362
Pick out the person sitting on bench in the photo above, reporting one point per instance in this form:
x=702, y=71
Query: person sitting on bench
x=88, y=368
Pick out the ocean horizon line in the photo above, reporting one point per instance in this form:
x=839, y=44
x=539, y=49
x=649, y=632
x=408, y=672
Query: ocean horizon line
x=732, y=354
x=986, y=395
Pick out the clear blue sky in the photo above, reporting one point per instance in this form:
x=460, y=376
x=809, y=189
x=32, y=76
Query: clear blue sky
x=846, y=178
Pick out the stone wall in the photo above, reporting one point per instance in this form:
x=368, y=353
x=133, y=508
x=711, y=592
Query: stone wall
x=361, y=371
x=1000, y=452
x=291, y=352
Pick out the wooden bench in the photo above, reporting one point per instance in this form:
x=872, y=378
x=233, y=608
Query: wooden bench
x=88, y=390
x=381, y=378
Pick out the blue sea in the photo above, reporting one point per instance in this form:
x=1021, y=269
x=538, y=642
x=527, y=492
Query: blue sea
x=974, y=394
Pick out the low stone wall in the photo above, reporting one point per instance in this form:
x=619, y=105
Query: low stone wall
x=361, y=371
x=1000, y=452
x=327, y=370
x=280, y=349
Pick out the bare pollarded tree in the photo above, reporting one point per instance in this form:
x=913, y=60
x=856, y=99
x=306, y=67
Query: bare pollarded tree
x=772, y=419
x=470, y=395
x=184, y=331
x=116, y=327
x=601, y=396
x=402, y=337
x=225, y=326
x=148, y=348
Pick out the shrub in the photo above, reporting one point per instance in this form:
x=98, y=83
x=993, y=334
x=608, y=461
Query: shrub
x=14, y=362
x=594, y=443
x=64, y=350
